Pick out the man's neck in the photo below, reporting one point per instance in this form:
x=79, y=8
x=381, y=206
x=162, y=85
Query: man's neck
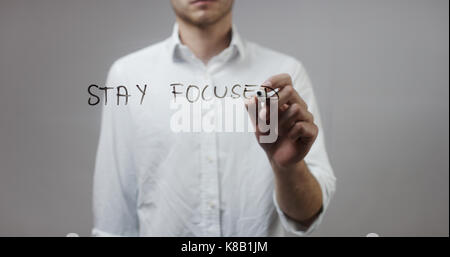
x=206, y=42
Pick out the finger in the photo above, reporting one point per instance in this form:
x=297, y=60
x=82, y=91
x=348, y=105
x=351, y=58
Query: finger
x=288, y=95
x=303, y=130
x=278, y=81
x=288, y=118
x=284, y=107
x=294, y=114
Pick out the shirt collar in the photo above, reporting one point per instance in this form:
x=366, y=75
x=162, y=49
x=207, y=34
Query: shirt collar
x=174, y=43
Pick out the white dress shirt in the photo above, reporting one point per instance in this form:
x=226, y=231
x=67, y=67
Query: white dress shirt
x=152, y=181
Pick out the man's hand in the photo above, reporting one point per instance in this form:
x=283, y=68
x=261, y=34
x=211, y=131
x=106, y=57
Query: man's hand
x=298, y=192
x=296, y=128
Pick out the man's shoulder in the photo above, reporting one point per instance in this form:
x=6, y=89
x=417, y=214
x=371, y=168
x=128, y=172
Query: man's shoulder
x=273, y=60
x=258, y=51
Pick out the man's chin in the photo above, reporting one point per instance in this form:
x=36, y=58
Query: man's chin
x=203, y=21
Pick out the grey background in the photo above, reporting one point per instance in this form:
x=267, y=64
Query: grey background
x=380, y=69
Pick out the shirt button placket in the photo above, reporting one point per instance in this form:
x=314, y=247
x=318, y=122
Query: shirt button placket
x=209, y=180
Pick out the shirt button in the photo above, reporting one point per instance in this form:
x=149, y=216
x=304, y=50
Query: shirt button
x=209, y=158
x=212, y=205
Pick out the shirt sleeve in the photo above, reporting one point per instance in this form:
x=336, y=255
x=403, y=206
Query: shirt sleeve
x=115, y=185
x=316, y=160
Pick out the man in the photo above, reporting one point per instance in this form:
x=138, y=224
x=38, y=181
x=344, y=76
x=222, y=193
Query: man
x=151, y=181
